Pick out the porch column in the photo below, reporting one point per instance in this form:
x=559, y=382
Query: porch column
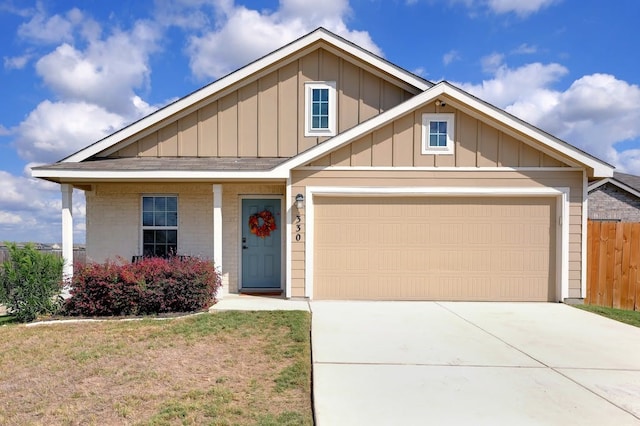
x=67, y=231
x=217, y=238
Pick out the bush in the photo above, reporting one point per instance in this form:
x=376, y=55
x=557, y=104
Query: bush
x=151, y=286
x=31, y=282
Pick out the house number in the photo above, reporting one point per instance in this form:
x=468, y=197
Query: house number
x=298, y=227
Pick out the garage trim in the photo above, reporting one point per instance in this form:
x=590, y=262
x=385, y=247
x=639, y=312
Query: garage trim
x=562, y=214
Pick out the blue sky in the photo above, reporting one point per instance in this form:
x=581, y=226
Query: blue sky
x=73, y=71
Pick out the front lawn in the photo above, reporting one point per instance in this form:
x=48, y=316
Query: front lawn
x=629, y=317
x=222, y=369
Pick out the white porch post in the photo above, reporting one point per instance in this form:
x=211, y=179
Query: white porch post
x=217, y=238
x=67, y=231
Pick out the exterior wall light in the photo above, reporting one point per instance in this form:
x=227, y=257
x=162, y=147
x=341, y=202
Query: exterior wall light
x=299, y=201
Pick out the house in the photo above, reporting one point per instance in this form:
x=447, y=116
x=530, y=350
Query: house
x=323, y=171
x=615, y=198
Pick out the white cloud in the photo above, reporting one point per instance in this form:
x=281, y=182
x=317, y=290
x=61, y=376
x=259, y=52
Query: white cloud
x=8, y=218
x=595, y=113
x=522, y=8
x=230, y=45
x=106, y=73
x=49, y=29
x=509, y=86
x=491, y=63
x=450, y=56
x=54, y=130
x=519, y=7
x=16, y=62
x=525, y=49
x=31, y=209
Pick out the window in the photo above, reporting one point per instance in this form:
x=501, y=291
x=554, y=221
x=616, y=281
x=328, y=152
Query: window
x=437, y=133
x=320, y=108
x=159, y=225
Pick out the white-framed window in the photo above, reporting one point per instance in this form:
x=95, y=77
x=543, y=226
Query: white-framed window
x=159, y=225
x=320, y=108
x=438, y=133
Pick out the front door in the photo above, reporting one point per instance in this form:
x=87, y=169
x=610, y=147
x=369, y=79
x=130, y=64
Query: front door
x=261, y=243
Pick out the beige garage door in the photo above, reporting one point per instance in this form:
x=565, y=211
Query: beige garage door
x=426, y=248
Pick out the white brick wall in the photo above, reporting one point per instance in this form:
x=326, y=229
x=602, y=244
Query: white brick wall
x=113, y=219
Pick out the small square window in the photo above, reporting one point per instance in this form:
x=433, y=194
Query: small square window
x=320, y=111
x=437, y=134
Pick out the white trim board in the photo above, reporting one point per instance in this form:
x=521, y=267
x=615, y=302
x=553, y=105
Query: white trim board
x=562, y=218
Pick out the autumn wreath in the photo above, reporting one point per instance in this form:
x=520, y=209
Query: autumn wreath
x=268, y=223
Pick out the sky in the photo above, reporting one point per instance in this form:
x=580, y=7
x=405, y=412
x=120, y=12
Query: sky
x=76, y=71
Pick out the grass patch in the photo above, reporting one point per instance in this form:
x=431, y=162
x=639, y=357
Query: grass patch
x=227, y=368
x=621, y=315
x=8, y=319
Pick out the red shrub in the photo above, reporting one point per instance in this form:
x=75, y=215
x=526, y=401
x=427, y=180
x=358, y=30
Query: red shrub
x=151, y=286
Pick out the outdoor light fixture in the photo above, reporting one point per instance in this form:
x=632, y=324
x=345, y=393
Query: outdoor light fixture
x=299, y=201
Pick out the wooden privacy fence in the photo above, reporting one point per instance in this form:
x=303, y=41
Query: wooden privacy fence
x=613, y=258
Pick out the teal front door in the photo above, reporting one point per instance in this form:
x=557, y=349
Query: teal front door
x=261, y=243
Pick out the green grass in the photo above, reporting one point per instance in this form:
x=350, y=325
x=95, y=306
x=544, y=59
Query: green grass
x=621, y=315
x=7, y=319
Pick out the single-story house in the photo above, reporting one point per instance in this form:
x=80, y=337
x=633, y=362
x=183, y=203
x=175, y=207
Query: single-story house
x=615, y=198
x=323, y=171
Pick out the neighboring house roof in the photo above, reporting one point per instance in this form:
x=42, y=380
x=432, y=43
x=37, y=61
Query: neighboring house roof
x=626, y=182
x=253, y=68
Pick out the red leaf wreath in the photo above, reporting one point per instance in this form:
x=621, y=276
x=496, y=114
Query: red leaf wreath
x=268, y=223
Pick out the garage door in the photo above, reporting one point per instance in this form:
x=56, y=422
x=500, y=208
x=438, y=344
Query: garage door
x=427, y=248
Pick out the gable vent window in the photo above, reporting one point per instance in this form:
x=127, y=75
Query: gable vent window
x=437, y=133
x=159, y=225
x=320, y=108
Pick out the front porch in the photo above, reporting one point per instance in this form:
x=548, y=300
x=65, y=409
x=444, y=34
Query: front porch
x=209, y=225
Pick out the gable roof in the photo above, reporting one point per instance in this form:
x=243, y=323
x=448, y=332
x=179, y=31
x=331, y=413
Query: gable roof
x=626, y=182
x=83, y=164
x=471, y=105
x=319, y=34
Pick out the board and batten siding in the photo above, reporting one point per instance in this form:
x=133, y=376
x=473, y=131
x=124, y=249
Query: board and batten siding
x=264, y=117
x=399, y=144
x=573, y=179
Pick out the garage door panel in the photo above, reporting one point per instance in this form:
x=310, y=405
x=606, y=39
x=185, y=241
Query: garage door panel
x=434, y=248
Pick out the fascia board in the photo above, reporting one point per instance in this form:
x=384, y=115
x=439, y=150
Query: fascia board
x=44, y=173
x=234, y=77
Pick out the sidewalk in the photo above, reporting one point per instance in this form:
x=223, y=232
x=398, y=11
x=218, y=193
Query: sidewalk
x=240, y=302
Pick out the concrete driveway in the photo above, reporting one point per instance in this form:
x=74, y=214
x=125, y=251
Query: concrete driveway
x=421, y=363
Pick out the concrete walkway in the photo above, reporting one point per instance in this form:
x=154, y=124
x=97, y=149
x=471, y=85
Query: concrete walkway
x=417, y=363
x=240, y=302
